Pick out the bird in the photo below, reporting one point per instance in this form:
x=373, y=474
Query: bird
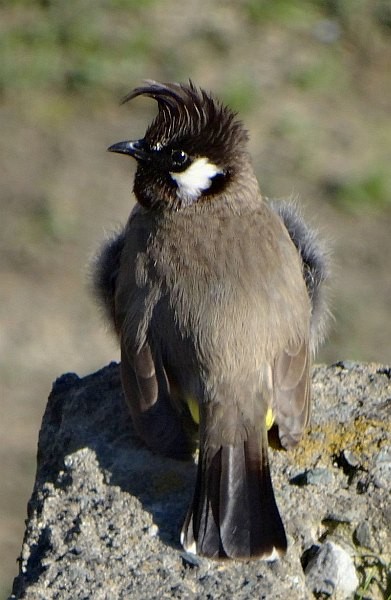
x=216, y=296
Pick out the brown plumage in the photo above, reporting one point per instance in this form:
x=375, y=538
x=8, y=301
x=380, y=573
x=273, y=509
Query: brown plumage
x=206, y=291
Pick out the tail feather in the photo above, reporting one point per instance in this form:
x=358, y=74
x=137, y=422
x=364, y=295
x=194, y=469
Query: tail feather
x=205, y=515
x=234, y=521
x=234, y=513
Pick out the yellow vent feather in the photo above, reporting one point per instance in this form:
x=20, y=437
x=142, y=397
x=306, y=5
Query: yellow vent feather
x=194, y=409
x=269, y=419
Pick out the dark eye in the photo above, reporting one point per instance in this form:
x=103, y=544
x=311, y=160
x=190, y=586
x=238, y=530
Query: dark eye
x=178, y=159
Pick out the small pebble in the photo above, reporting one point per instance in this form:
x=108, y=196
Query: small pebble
x=190, y=560
x=153, y=530
x=316, y=476
x=351, y=459
x=362, y=534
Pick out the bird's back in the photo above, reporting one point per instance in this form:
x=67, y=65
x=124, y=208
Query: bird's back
x=228, y=281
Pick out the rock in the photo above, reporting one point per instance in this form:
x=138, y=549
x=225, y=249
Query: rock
x=351, y=459
x=331, y=572
x=381, y=475
x=363, y=534
x=319, y=476
x=105, y=513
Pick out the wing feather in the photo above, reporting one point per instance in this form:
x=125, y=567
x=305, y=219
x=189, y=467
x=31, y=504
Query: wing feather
x=292, y=394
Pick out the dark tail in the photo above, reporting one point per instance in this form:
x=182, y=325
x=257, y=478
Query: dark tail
x=234, y=513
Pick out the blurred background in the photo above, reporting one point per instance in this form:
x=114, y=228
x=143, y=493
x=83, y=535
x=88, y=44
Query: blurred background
x=310, y=80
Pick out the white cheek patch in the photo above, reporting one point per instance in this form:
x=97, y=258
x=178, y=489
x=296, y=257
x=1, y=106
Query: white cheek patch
x=196, y=179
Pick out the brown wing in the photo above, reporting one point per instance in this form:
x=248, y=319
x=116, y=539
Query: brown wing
x=292, y=393
x=148, y=397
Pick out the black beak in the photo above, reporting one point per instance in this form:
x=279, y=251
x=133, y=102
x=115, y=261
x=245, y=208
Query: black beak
x=136, y=149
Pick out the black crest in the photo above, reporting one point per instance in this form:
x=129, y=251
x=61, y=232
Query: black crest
x=192, y=119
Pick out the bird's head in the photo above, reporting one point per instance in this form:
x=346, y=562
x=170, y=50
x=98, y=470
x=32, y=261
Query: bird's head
x=191, y=151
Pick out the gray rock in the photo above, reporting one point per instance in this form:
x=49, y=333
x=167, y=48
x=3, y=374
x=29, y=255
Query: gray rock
x=363, y=534
x=351, y=459
x=105, y=513
x=318, y=476
x=381, y=474
x=332, y=572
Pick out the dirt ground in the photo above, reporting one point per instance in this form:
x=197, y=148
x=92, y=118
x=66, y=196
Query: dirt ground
x=311, y=85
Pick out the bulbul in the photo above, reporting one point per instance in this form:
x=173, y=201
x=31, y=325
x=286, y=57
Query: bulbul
x=216, y=297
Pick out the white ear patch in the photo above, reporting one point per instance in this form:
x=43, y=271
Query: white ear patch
x=196, y=179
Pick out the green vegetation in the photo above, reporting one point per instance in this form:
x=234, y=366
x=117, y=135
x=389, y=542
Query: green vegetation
x=375, y=579
x=80, y=45
x=371, y=192
x=73, y=46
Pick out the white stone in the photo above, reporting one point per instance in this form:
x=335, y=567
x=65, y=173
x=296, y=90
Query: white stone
x=331, y=571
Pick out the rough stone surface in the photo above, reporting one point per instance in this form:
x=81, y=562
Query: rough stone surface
x=105, y=514
x=331, y=572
